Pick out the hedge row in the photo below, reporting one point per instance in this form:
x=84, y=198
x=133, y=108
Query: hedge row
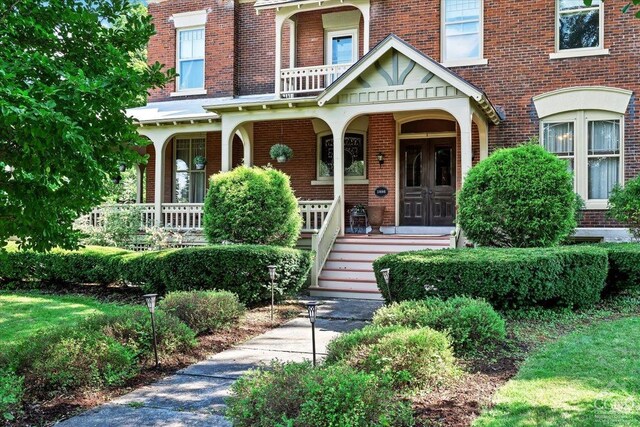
x=624, y=266
x=571, y=276
x=241, y=269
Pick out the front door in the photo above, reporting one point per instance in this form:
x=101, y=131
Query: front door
x=427, y=182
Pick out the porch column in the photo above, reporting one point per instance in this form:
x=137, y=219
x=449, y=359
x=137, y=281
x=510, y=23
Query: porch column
x=227, y=145
x=140, y=182
x=245, y=133
x=279, y=25
x=466, y=147
x=483, y=134
x=159, y=146
x=366, y=18
x=338, y=169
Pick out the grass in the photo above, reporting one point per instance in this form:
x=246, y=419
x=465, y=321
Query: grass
x=589, y=377
x=23, y=314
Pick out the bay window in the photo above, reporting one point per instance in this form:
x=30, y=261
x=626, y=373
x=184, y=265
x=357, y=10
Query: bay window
x=189, y=180
x=592, y=144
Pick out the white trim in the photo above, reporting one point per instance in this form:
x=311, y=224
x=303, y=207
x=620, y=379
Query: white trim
x=600, y=46
x=328, y=44
x=197, y=18
x=578, y=53
x=443, y=40
x=583, y=98
x=189, y=92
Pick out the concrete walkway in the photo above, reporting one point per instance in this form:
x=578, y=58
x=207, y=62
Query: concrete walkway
x=195, y=395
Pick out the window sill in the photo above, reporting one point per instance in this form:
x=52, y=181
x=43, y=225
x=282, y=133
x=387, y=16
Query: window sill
x=578, y=53
x=465, y=63
x=360, y=181
x=189, y=92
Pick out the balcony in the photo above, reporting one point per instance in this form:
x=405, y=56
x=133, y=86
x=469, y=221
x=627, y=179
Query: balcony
x=309, y=80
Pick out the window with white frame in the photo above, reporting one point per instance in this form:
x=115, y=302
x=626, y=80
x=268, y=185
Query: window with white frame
x=592, y=144
x=462, y=30
x=189, y=175
x=355, y=166
x=190, y=59
x=341, y=48
x=579, y=26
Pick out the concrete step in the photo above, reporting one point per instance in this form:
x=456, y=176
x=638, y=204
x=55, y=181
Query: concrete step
x=353, y=256
x=347, y=274
x=394, y=240
x=386, y=248
x=348, y=265
x=355, y=285
x=318, y=292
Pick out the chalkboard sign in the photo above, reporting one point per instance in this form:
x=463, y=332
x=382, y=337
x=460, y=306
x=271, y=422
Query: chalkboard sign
x=381, y=191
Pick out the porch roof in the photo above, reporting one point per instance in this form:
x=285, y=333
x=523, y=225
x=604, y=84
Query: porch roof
x=178, y=111
x=270, y=4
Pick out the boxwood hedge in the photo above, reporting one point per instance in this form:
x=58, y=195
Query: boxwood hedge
x=241, y=269
x=624, y=266
x=571, y=276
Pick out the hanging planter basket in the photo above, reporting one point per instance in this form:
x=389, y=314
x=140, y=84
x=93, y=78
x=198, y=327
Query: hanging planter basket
x=281, y=153
x=200, y=162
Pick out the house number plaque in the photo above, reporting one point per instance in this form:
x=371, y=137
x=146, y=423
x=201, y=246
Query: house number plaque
x=381, y=191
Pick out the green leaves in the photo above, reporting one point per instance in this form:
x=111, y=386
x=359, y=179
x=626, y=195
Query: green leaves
x=66, y=77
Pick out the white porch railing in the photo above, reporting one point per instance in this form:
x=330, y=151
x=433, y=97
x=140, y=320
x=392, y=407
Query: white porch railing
x=323, y=240
x=188, y=216
x=313, y=214
x=97, y=216
x=295, y=81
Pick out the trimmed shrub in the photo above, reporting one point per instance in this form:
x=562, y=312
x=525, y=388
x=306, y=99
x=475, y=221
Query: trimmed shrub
x=624, y=205
x=624, y=266
x=240, y=269
x=204, y=311
x=132, y=329
x=473, y=325
x=570, y=276
x=11, y=394
x=518, y=197
x=346, y=345
x=69, y=358
x=295, y=394
x=409, y=358
x=251, y=206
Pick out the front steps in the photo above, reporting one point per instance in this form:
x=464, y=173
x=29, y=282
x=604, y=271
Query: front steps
x=348, y=272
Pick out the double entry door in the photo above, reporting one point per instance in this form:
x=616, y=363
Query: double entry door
x=427, y=182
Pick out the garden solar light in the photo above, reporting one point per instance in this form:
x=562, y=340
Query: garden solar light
x=312, y=309
x=385, y=275
x=272, y=275
x=150, y=300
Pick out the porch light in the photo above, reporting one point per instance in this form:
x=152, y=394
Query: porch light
x=386, y=273
x=380, y=157
x=272, y=276
x=150, y=300
x=312, y=309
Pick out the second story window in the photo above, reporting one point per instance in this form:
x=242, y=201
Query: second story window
x=462, y=31
x=190, y=65
x=579, y=26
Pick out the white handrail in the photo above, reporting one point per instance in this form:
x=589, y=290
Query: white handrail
x=96, y=217
x=323, y=241
x=309, y=79
x=182, y=216
x=313, y=214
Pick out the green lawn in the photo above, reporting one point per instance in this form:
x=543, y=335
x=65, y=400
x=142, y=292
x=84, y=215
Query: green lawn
x=23, y=314
x=587, y=378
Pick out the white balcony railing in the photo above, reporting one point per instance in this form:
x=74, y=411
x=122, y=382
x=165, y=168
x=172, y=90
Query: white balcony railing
x=188, y=216
x=309, y=80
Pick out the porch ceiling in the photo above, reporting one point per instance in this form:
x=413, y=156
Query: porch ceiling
x=271, y=4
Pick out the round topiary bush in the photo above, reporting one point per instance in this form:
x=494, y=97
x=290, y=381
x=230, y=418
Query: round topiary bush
x=518, y=197
x=251, y=205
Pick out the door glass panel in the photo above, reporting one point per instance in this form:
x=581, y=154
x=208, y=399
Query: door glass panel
x=443, y=165
x=413, y=167
x=183, y=162
x=342, y=50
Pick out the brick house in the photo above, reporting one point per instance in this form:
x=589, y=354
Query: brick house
x=388, y=103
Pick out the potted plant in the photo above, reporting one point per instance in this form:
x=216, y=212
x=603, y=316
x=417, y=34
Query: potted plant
x=281, y=153
x=200, y=162
x=358, y=209
x=376, y=216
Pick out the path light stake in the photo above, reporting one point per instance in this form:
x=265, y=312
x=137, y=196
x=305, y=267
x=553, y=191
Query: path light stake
x=385, y=275
x=312, y=307
x=150, y=299
x=272, y=275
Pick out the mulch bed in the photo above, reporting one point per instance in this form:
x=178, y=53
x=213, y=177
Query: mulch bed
x=460, y=403
x=254, y=323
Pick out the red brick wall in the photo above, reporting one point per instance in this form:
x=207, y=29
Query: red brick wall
x=256, y=45
x=219, y=44
x=382, y=138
